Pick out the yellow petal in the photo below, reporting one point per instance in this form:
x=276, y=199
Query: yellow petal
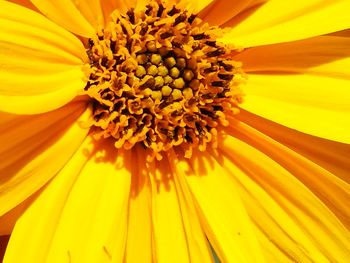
x=19, y=22
x=220, y=11
x=276, y=193
x=223, y=216
x=139, y=238
x=132, y=3
x=79, y=17
x=333, y=156
x=8, y=220
x=199, y=250
x=271, y=250
x=82, y=212
x=309, y=79
x=244, y=13
x=35, y=148
x=169, y=237
x=332, y=190
x=34, y=104
x=91, y=10
x=281, y=21
x=108, y=6
x=49, y=206
x=41, y=64
x=322, y=55
x=99, y=199
x=196, y=6
x=315, y=105
x=139, y=248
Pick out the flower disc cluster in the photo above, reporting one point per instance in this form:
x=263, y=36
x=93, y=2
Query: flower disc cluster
x=160, y=78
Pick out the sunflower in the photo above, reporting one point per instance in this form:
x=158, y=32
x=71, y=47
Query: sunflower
x=175, y=131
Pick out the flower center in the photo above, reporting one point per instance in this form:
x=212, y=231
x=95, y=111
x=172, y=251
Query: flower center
x=160, y=79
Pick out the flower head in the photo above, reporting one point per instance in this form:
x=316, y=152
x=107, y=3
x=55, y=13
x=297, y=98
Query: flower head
x=161, y=131
x=159, y=78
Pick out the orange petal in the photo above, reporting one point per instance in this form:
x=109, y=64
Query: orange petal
x=26, y=3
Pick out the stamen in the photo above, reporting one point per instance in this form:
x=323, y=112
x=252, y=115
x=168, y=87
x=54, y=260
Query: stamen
x=160, y=79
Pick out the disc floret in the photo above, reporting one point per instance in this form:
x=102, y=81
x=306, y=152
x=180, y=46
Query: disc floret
x=160, y=79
